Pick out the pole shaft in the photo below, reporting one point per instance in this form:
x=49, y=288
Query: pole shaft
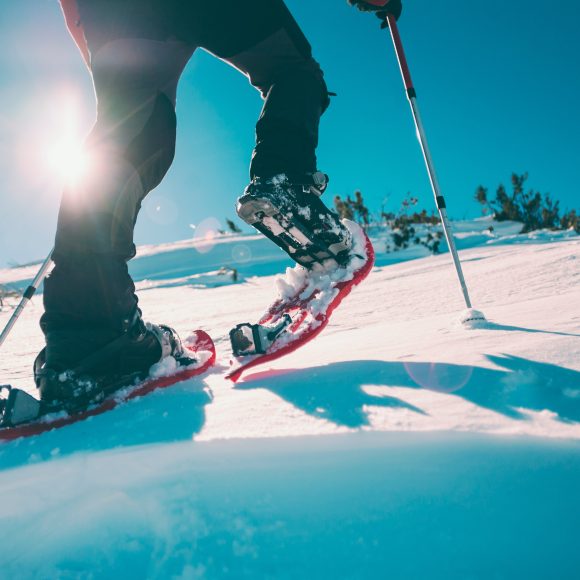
x=422, y=137
x=28, y=294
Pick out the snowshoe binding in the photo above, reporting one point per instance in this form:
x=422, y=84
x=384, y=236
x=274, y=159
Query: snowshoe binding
x=249, y=339
x=17, y=407
x=289, y=211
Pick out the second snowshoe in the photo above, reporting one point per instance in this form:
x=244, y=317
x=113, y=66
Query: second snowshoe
x=307, y=298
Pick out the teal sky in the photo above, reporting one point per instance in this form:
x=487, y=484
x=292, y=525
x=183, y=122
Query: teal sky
x=498, y=85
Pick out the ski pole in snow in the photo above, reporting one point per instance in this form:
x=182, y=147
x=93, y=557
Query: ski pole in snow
x=28, y=294
x=471, y=315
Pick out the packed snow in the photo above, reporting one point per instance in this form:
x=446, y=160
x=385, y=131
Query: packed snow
x=400, y=443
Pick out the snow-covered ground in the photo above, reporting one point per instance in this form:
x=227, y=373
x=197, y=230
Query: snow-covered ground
x=398, y=444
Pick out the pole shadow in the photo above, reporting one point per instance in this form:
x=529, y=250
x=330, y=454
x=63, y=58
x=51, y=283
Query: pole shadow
x=507, y=328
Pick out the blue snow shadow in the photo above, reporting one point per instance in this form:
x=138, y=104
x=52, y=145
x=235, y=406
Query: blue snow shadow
x=170, y=415
x=336, y=392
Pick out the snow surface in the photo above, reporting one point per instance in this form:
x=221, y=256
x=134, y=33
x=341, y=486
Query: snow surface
x=398, y=444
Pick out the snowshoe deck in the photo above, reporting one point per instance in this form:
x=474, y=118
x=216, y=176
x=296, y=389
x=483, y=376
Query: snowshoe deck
x=199, y=346
x=300, y=315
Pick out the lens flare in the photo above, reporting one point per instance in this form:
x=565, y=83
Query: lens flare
x=241, y=253
x=445, y=378
x=161, y=210
x=205, y=233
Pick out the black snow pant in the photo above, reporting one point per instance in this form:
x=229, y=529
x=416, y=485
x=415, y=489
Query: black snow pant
x=136, y=51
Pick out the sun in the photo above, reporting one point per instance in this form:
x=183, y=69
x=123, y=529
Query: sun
x=67, y=159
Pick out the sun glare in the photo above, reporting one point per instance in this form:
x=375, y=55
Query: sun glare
x=68, y=160
x=64, y=154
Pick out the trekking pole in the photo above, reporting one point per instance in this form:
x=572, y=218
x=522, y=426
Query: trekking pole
x=28, y=294
x=439, y=199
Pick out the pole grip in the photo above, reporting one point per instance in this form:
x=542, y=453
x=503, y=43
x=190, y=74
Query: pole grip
x=405, y=71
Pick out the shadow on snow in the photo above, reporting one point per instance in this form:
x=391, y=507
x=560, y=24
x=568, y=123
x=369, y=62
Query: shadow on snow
x=337, y=392
x=167, y=415
x=503, y=327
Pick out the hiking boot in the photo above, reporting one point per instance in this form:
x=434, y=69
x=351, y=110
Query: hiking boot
x=97, y=364
x=289, y=211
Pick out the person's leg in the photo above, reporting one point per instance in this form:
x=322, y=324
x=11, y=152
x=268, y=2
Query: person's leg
x=89, y=297
x=262, y=40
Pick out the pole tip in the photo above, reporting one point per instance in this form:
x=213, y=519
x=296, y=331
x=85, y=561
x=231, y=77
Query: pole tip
x=471, y=318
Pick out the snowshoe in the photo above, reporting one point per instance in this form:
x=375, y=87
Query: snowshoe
x=289, y=211
x=22, y=415
x=307, y=298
